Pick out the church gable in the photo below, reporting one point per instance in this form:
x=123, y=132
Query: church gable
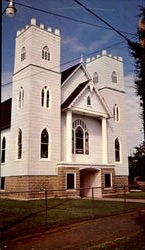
x=90, y=101
x=72, y=81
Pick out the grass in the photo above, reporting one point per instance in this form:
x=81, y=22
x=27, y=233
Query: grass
x=134, y=242
x=19, y=218
x=133, y=195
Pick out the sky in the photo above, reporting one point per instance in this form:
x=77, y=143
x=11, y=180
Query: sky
x=79, y=39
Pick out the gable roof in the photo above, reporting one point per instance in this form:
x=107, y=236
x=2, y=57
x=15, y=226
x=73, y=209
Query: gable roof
x=5, y=120
x=66, y=73
x=73, y=95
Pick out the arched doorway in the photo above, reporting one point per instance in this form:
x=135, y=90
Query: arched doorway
x=89, y=177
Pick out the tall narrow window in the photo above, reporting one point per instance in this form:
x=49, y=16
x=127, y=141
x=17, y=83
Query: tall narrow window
x=117, y=150
x=114, y=77
x=72, y=141
x=23, y=54
x=116, y=113
x=86, y=143
x=45, y=97
x=44, y=143
x=21, y=97
x=42, y=98
x=89, y=101
x=20, y=144
x=3, y=153
x=79, y=140
x=46, y=53
x=95, y=78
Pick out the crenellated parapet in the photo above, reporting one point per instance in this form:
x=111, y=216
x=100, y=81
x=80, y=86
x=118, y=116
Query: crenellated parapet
x=104, y=53
x=55, y=31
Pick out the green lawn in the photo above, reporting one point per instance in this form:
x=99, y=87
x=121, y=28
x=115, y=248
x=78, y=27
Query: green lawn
x=20, y=218
x=133, y=242
x=132, y=195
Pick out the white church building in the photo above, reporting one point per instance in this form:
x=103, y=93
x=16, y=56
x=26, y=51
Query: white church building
x=63, y=130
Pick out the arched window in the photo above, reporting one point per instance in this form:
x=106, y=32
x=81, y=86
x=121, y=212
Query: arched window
x=45, y=97
x=80, y=138
x=79, y=134
x=114, y=77
x=3, y=153
x=21, y=97
x=89, y=101
x=44, y=143
x=46, y=53
x=117, y=150
x=23, y=54
x=42, y=98
x=95, y=77
x=20, y=144
x=72, y=141
x=86, y=143
x=116, y=113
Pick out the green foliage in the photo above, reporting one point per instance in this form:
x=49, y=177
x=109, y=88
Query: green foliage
x=137, y=162
x=138, y=52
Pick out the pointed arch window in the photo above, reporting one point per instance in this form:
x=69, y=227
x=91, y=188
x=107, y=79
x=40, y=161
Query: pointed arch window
x=89, y=101
x=46, y=53
x=80, y=138
x=3, y=152
x=114, y=77
x=86, y=143
x=20, y=144
x=23, y=54
x=21, y=97
x=45, y=97
x=95, y=77
x=44, y=143
x=116, y=113
x=117, y=150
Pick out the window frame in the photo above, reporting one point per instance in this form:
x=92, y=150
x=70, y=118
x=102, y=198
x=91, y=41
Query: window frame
x=3, y=150
x=2, y=181
x=46, y=53
x=19, y=145
x=45, y=144
x=66, y=181
x=111, y=183
x=45, y=98
x=117, y=151
x=114, y=77
x=23, y=53
x=75, y=125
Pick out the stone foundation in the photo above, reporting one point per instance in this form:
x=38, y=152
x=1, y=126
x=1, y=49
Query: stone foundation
x=119, y=182
x=33, y=187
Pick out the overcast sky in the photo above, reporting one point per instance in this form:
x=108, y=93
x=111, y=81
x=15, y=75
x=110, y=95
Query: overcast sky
x=81, y=39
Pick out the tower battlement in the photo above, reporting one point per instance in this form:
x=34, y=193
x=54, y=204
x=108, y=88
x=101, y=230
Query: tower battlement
x=104, y=53
x=55, y=31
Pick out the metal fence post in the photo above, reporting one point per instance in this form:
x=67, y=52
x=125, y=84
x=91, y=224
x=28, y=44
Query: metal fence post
x=93, y=202
x=124, y=194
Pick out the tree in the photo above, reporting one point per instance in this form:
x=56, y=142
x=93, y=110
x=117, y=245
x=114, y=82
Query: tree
x=138, y=52
x=137, y=162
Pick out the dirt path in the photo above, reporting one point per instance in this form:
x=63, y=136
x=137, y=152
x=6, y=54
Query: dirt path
x=81, y=235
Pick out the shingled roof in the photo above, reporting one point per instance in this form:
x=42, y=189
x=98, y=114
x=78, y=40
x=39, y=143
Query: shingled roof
x=65, y=74
x=73, y=95
x=5, y=120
